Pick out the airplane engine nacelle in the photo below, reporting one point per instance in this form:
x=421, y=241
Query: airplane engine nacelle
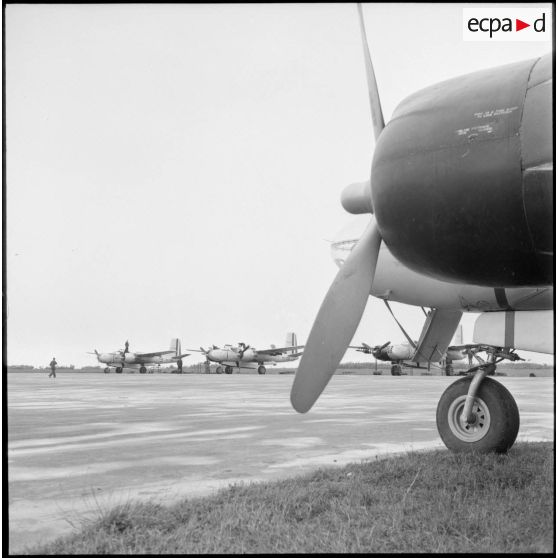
x=129, y=358
x=219, y=355
x=462, y=178
x=396, y=282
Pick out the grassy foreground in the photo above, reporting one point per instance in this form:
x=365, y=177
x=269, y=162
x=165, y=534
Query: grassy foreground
x=417, y=502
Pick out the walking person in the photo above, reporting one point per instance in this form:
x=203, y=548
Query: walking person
x=53, y=365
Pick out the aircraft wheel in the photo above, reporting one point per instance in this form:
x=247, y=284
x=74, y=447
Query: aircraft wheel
x=261, y=369
x=396, y=370
x=143, y=370
x=118, y=370
x=495, y=412
x=228, y=370
x=107, y=370
x=219, y=370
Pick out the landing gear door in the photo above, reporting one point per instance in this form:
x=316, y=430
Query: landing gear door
x=437, y=333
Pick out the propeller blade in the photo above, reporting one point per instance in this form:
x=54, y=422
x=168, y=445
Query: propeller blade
x=337, y=320
x=374, y=96
x=385, y=345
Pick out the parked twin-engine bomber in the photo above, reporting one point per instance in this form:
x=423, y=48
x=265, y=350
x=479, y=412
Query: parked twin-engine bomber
x=124, y=358
x=244, y=356
x=461, y=202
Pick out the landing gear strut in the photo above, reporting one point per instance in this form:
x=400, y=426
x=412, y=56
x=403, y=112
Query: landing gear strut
x=477, y=413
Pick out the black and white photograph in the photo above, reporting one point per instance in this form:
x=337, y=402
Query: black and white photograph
x=279, y=278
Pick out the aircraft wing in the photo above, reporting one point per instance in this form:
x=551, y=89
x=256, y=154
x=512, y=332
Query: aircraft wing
x=159, y=353
x=278, y=351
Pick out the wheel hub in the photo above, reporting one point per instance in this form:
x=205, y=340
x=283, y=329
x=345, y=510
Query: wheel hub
x=477, y=427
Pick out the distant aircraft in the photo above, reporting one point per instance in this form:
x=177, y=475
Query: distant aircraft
x=460, y=203
x=125, y=359
x=244, y=356
x=401, y=355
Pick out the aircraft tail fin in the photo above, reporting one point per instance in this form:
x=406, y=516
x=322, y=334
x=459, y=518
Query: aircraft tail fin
x=175, y=346
x=290, y=341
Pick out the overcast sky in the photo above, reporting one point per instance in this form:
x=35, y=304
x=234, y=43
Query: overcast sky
x=175, y=170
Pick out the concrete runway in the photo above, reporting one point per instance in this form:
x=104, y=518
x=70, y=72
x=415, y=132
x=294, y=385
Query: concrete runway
x=84, y=442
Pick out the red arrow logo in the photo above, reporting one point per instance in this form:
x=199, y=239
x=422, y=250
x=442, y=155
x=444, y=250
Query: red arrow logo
x=519, y=25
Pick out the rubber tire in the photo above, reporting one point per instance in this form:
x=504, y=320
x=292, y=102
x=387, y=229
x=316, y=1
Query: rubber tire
x=219, y=370
x=261, y=369
x=396, y=370
x=504, y=417
x=107, y=370
x=118, y=370
x=228, y=370
x=142, y=370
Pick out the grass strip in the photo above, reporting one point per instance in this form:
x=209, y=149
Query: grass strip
x=416, y=502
